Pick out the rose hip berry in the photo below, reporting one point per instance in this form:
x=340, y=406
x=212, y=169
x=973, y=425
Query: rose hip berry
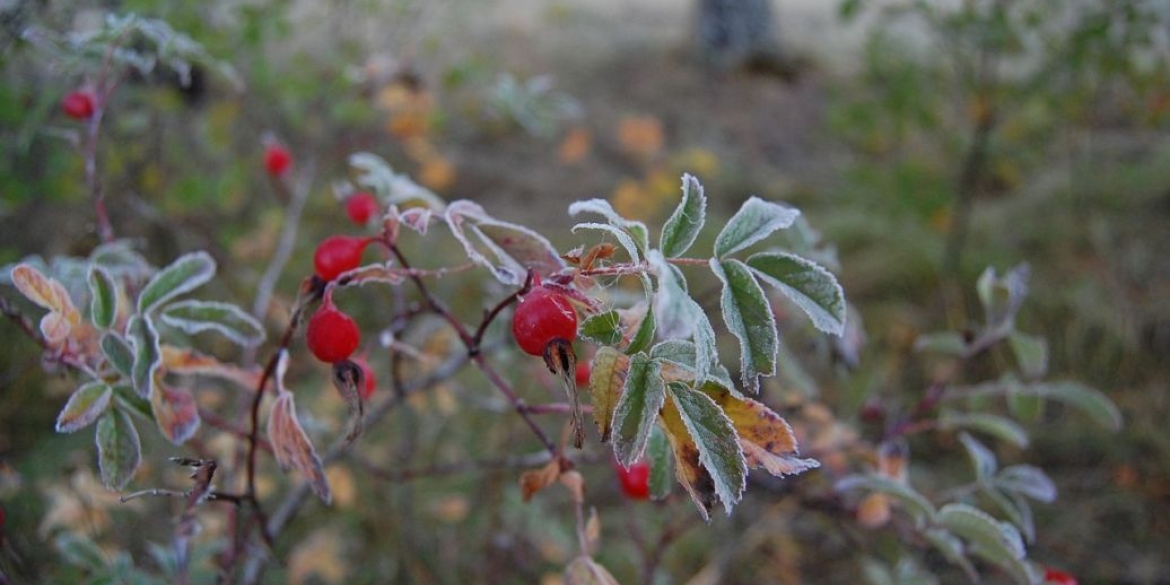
x=1058, y=577
x=542, y=317
x=635, y=480
x=337, y=254
x=78, y=104
x=582, y=374
x=360, y=207
x=277, y=159
x=371, y=382
x=332, y=335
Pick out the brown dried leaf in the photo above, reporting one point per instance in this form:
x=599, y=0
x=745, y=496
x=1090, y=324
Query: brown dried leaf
x=534, y=480
x=765, y=436
x=572, y=479
x=290, y=444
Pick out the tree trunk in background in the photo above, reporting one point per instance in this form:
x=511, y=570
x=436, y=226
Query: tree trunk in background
x=738, y=33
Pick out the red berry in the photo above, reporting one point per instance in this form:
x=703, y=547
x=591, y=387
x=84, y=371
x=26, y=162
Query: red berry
x=635, y=480
x=360, y=207
x=583, y=373
x=542, y=316
x=277, y=159
x=337, y=254
x=371, y=382
x=332, y=336
x=78, y=104
x=1058, y=577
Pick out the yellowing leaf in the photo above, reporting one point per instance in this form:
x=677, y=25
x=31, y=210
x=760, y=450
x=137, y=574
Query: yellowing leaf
x=44, y=291
x=175, y=412
x=690, y=472
x=188, y=362
x=606, y=378
x=49, y=294
x=765, y=437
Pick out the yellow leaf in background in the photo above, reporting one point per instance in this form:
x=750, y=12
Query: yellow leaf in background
x=630, y=200
x=420, y=149
x=698, y=161
x=451, y=509
x=341, y=481
x=607, y=375
x=640, y=136
x=576, y=146
x=437, y=173
x=318, y=558
x=80, y=505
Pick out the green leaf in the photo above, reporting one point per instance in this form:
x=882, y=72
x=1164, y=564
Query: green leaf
x=619, y=234
x=915, y=503
x=129, y=401
x=990, y=424
x=1001, y=297
x=645, y=334
x=951, y=548
x=607, y=377
x=1091, y=401
x=683, y=226
x=184, y=275
x=636, y=230
x=714, y=435
x=1016, y=509
x=1031, y=354
x=682, y=353
x=1027, y=480
x=706, y=350
x=670, y=299
x=658, y=455
x=119, y=450
x=642, y=397
x=103, y=292
x=806, y=283
x=147, y=355
x=85, y=406
x=81, y=552
x=944, y=342
x=198, y=316
x=749, y=318
x=602, y=328
x=982, y=459
x=754, y=221
x=997, y=541
x=120, y=355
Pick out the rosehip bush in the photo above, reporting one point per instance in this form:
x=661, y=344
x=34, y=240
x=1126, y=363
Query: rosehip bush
x=687, y=383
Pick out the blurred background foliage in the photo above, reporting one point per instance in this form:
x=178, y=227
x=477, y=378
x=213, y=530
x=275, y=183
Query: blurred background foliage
x=1037, y=129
